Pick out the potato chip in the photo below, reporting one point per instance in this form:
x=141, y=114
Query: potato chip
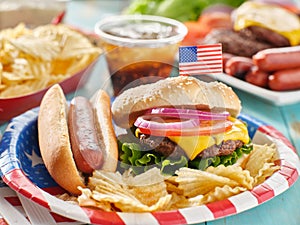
x=266, y=171
x=179, y=201
x=197, y=182
x=260, y=155
x=43, y=48
x=172, y=186
x=139, y=194
x=148, y=187
x=85, y=199
x=261, y=162
x=235, y=173
x=220, y=193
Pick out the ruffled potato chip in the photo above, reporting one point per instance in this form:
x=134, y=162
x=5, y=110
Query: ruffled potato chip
x=220, y=193
x=197, y=182
x=235, y=173
x=261, y=164
x=142, y=193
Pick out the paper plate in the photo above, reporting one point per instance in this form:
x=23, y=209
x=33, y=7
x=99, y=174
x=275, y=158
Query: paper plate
x=279, y=98
x=23, y=170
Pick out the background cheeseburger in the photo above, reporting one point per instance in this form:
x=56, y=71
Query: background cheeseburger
x=257, y=26
x=179, y=121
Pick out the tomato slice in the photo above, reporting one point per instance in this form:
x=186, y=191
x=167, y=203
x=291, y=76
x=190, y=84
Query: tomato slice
x=204, y=128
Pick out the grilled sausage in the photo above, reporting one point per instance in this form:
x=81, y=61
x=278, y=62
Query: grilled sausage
x=238, y=66
x=86, y=148
x=257, y=77
x=274, y=59
x=284, y=80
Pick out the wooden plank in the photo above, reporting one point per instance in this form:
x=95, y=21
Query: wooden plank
x=263, y=110
x=291, y=114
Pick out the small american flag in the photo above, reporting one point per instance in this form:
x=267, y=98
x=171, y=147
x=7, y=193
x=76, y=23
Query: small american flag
x=201, y=59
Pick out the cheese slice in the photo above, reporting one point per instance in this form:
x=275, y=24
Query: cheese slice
x=193, y=145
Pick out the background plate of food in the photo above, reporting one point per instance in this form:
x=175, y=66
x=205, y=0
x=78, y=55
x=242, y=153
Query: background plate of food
x=261, y=52
x=279, y=98
x=191, y=196
x=34, y=59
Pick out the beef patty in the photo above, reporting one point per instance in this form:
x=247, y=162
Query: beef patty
x=237, y=43
x=168, y=148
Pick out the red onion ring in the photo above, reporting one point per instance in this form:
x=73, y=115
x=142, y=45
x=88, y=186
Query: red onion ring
x=187, y=114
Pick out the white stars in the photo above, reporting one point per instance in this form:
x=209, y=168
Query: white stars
x=35, y=159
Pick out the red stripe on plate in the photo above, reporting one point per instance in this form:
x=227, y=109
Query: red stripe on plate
x=221, y=208
x=263, y=193
x=289, y=172
x=169, y=218
x=18, y=181
x=13, y=200
x=271, y=131
x=54, y=190
x=102, y=217
x=60, y=219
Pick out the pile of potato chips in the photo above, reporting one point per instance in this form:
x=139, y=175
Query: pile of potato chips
x=33, y=59
x=151, y=191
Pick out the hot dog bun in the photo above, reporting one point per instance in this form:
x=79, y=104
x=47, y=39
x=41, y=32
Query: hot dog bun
x=178, y=91
x=54, y=140
x=101, y=105
x=54, y=137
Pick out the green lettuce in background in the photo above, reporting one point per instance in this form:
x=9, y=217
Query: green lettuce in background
x=176, y=9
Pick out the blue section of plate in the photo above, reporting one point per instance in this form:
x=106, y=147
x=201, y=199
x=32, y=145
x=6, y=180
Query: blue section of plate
x=252, y=124
x=19, y=149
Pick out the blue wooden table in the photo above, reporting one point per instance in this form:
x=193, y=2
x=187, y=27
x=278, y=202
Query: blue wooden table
x=281, y=210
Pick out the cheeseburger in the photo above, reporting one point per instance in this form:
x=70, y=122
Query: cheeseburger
x=257, y=26
x=179, y=122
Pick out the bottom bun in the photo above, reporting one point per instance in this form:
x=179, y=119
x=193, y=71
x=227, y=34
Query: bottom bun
x=54, y=141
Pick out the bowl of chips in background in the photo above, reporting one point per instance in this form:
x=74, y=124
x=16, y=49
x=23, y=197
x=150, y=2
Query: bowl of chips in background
x=31, y=60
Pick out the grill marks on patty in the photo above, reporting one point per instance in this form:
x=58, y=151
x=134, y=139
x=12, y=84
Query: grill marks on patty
x=168, y=148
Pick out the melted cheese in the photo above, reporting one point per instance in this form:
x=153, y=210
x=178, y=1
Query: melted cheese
x=193, y=145
x=271, y=17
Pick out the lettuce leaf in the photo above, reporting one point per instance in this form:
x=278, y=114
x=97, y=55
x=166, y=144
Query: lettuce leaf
x=133, y=156
x=176, y=9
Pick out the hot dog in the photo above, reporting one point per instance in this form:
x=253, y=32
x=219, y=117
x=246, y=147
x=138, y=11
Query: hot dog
x=284, y=80
x=86, y=148
x=274, y=59
x=225, y=58
x=238, y=66
x=257, y=77
x=55, y=129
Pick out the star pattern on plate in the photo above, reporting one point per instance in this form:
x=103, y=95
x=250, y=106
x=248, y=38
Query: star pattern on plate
x=35, y=159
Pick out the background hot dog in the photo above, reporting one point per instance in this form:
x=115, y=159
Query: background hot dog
x=284, y=80
x=274, y=59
